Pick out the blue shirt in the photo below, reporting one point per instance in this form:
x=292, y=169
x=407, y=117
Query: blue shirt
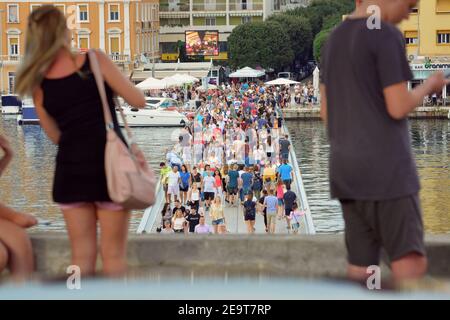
x=261, y=123
x=285, y=171
x=234, y=175
x=185, y=179
x=271, y=203
x=247, y=180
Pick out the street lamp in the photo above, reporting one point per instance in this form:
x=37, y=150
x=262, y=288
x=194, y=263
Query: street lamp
x=153, y=48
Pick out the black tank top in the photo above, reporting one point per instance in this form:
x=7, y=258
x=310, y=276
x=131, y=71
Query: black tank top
x=74, y=103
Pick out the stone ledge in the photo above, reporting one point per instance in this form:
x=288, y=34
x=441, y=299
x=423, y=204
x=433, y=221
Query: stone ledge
x=419, y=113
x=299, y=256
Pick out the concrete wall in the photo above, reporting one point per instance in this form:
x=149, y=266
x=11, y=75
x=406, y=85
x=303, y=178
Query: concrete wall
x=305, y=256
x=419, y=113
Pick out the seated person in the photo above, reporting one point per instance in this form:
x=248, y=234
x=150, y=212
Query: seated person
x=16, y=252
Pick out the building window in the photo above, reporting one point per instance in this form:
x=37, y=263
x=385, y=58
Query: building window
x=83, y=13
x=442, y=5
x=11, y=82
x=83, y=42
x=411, y=37
x=244, y=5
x=415, y=10
x=276, y=5
x=246, y=19
x=114, y=14
x=34, y=7
x=13, y=13
x=443, y=37
x=114, y=45
x=13, y=45
x=210, y=21
x=61, y=7
x=223, y=46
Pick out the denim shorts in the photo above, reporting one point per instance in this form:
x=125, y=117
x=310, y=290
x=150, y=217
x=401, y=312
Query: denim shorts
x=218, y=222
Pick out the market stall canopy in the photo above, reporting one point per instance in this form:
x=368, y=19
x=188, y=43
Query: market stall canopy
x=172, y=82
x=163, y=70
x=184, y=78
x=151, y=84
x=280, y=82
x=247, y=72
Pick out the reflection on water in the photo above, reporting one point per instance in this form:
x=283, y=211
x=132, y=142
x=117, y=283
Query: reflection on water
x=26, y=185
x=430, y=140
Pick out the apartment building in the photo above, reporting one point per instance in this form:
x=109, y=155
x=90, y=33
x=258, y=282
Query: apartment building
x=178, y=16
x=127, y=30
x=427, y=37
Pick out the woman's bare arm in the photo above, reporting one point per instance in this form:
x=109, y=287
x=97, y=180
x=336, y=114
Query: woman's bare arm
x=119, y=83
x=47, y=122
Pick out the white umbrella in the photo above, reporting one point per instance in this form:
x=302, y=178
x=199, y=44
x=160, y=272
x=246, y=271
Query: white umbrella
x=280, y=82
x=316, y=75
x=172, y=82
x=151, y=84
x=186, y=78
x=247, y=72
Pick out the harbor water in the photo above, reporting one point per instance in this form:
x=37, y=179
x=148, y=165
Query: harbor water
x=26, y=185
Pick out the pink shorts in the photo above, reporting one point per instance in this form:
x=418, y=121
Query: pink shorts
x=105, y=205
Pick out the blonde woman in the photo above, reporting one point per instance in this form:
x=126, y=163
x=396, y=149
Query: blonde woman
x=194, y=196
x=70, y=111
x=217, y=214
x=179, y=222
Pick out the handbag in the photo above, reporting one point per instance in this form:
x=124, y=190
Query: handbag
x=131, y=182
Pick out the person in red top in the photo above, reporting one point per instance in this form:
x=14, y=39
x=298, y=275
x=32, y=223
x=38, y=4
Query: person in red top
x=218, y=183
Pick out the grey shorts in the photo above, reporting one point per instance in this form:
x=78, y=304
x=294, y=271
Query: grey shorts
x=394, y=225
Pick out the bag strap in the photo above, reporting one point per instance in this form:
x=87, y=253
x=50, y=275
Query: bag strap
x=95, y=68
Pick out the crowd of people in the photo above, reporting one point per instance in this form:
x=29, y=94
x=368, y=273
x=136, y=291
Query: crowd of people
x=234, y=153
x=304, y=94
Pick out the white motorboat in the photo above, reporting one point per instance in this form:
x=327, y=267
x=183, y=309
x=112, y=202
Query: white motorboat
x=11, y=105
x=158, y=112
x=29, y=115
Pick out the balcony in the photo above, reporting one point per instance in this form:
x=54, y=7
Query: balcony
x=178, y=7
x=181, y=30
x=210, y=6
x=10, y=59
x=120, y=58
x=177, y=10
x=246, y=6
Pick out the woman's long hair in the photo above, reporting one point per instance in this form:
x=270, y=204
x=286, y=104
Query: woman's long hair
x=47, y=33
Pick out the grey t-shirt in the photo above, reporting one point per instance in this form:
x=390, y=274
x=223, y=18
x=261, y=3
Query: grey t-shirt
x=284, y=145
x=370, y=152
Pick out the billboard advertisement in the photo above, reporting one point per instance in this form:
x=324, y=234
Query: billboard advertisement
x=202, y=43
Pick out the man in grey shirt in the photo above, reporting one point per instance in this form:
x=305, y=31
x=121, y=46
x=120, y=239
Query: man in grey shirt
x=284, y=148
x=365, y=102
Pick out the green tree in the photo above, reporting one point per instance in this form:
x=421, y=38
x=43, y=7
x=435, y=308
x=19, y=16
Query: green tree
x=319, y=10
x=299, y=32
x=319, y=41
x=263, y=44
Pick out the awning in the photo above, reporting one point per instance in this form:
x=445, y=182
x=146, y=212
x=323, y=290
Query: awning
x=247, y=72
x=169, y=15
x=142, y=75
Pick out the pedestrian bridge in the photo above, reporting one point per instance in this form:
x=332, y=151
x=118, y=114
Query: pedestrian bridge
x=234, y=216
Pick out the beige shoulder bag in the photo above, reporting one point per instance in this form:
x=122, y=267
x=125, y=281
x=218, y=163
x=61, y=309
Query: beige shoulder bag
x=131, y=182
